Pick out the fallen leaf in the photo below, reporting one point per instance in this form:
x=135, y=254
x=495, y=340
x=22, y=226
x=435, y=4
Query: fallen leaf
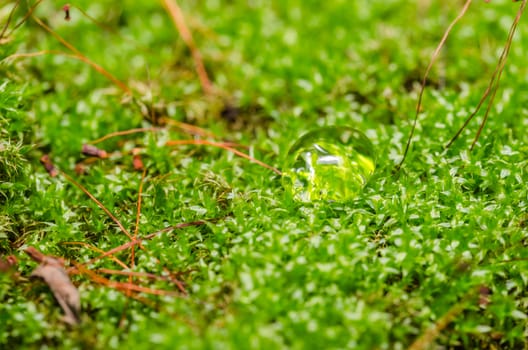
x=52, y=271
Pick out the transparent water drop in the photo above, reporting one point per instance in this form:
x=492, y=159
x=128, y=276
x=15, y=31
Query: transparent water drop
x=331, y=163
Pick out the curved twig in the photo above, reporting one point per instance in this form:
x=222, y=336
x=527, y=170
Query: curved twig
x=435, y=55
x=493, y=84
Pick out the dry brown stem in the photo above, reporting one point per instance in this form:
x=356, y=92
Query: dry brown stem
x=435, y=55
x=171, y=6
x=493, y=85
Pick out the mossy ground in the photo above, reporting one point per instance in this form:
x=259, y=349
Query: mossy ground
x=374, y=272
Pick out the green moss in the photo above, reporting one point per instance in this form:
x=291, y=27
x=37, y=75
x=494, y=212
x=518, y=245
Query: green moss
x=373, y=272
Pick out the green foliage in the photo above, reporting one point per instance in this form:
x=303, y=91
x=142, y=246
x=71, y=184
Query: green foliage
x=372, y=273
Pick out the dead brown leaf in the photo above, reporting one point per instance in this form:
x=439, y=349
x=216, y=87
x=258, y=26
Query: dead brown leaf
x=52, y=271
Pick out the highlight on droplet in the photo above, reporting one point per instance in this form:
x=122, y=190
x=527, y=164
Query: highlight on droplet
x=331, y=163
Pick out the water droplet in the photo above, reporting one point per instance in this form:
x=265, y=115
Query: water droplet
x=330, y=163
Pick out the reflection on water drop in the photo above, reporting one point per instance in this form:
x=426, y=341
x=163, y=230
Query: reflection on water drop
x=331, y=163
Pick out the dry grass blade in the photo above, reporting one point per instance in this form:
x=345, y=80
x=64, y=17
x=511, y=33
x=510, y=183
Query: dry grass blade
x=22, y=21
x=501, y=65
x=124, y=133
x=122, y=286
x=224, y=146
x=493, y=84
x=9, y=18
x=136, y=229
x=179, y=21
x=146, y=275
x=435, y=55
x=191, y=129
x=99, y=250
x=99, y=204
x=90, y=18
x=78, y=55
x=139, y=240
x=130, y=287
x=425, y=341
